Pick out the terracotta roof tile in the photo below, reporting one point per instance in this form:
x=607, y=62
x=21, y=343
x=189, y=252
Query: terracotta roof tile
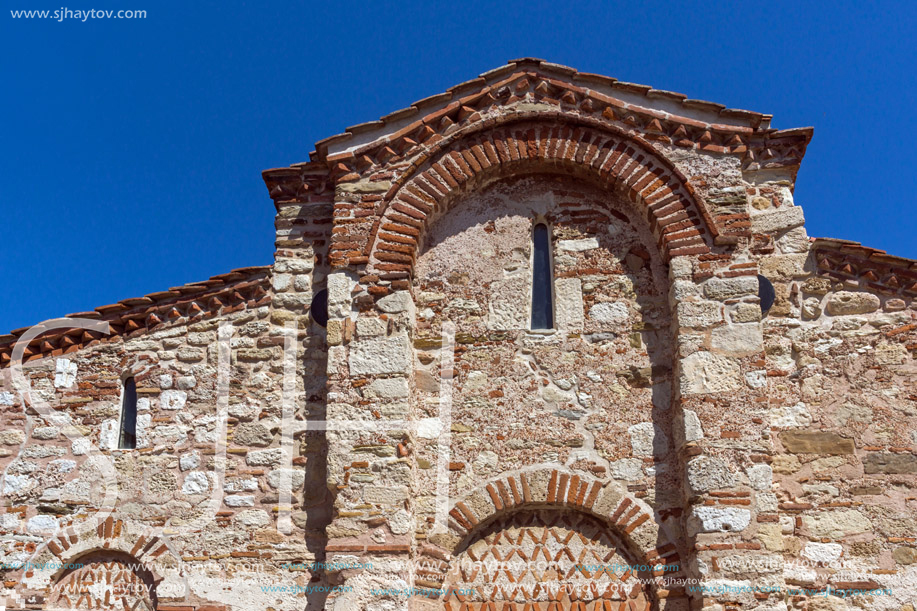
x=241, y=285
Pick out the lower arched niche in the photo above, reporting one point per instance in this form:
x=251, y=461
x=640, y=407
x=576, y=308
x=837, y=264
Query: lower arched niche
x=105, y=580
x=545, y=560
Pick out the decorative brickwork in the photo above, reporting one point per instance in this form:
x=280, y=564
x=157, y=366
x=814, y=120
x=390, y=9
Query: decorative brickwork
x=677, y=219
x=663, y=420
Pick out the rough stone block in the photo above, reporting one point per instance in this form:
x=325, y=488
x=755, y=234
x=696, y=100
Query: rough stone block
x=844, y=303
x=720, y=519
x=836, y=524
x=816, y=442
x=890, y=462
x=704, y=373
x=568, y=303
x=722, y=289
x=784, y=218
x=384, y=355
x=699, y=314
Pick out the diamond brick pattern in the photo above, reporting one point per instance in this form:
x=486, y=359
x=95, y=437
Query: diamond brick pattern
x=544, y=560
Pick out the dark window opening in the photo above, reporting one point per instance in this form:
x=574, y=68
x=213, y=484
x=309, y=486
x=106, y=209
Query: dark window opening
x=542, y=303
x=128, y=438
x=766, y=294
x=319, y=308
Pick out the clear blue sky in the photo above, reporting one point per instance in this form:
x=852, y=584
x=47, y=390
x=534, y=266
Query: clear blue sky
x=132, y=149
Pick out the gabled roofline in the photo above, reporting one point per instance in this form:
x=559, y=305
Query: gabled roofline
x=671, y=105
x=221, y=294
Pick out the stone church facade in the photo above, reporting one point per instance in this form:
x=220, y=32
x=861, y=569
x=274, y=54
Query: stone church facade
x=544, y=341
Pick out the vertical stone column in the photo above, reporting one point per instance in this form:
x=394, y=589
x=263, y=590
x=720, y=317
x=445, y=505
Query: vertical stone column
x=722, y=431
x=370, y=473
x=303, y=227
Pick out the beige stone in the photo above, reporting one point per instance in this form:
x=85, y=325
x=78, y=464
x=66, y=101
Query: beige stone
x=837, y=523
x=816, y=442
x=845, y=303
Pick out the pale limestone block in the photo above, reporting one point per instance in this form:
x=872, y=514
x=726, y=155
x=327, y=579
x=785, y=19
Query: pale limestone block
x=385, y=495
x=568, y=303
x=264, y=458
x=722, y=289
x=693, y=429
x=794, y=241
x=844, y=303
x=173, y=399
x=295, y=478
x=760, y=477
x=614, y=313
x=629, y=469
x=737, y=340
x=707, y=473
x=251, y=518
x=825, y=553
x=387, y=388
x=64, y=373
x=339, y=294
x=836, y=524
x=196, y=482
x=396, y=303
x=383, y=355
x=371, y=327
x=699, y=314
x=239, y=500
x=790, y=416
x=647, y=439
x=786, y=217
x=578, y=245
x=720, y=519
x=509, y=307
x=704, y=373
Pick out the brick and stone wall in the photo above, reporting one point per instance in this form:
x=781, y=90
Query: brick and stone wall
x=665, y=420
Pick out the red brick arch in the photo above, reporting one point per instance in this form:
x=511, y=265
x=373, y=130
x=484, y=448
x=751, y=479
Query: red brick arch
x=564, y=491
x=539, y=143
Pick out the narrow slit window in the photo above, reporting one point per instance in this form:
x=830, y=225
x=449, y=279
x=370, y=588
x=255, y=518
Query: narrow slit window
x=542, y=305
x=128, y=437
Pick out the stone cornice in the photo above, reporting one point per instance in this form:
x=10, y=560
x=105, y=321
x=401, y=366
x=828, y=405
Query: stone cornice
x=844, y=260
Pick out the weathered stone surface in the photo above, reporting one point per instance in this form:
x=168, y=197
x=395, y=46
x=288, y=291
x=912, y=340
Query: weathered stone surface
x=64, y=373
x=890, y=462
x=699, y=314
x=722, y=289
x=568, y=303
x=760, y=477
x=630, y=469
x=905, y=555
x=704, y=373
x=780, y=268
x=816, y=442
x=615, y=313
x=835, y=524
x=780, y=220
x=824, y=553
x=790, y=416
x=647, y=439
x=707, y=473
x=196, y=483
x=845, y=303
x=737, y=340
x=252, y=434
x=383, y=355
x=578, y=245
x=721, y=519
x=173, y=399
